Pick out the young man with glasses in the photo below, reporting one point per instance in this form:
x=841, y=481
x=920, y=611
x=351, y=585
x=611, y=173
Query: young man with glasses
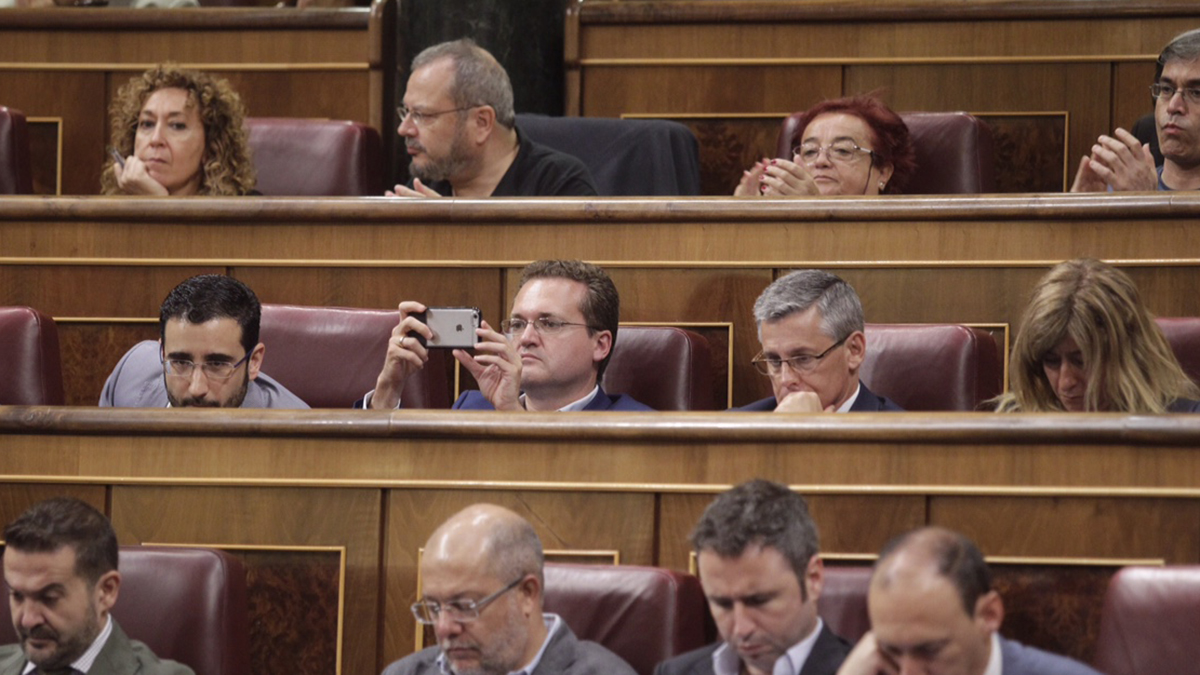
x=459, y=128
x=482, y=588
x=550, y=354
x=1119, y=162
x=208, y=354
x=810, y=325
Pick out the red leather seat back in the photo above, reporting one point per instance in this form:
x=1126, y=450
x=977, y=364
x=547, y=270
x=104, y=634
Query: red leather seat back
x=331, y=356
x=932, y=366
x=187, y=604
x=843, y=601
x=1184, y=336
x=1150, y=622
x=16, y=167
x=664, y=367
x=29, y=358
x=955, y=153
x=643, y=614
x=303, y=157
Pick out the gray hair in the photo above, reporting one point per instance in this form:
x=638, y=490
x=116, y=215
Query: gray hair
x=839, y=306
x=515, y=550
x=479, y=79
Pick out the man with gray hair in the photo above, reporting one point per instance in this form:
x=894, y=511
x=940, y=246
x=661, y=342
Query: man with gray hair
x=481, y=589
x=460, y=131
x=758, y=555
x=810, y=325
x=1119, y=162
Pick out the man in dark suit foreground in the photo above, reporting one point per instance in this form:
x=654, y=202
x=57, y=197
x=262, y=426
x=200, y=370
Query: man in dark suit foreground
x=481, y=589
x=550, y=354
x=757, y=551
x=60, y=566
x=933, y=610
x=810, y=325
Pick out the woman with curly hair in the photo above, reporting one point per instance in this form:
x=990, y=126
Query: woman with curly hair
x=1087, y=343
x=845, y=146
x=178, y=132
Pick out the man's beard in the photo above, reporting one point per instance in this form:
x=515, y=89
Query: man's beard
x=66, y=650
x=503, y=656
x=190, y=402
x=438, y=169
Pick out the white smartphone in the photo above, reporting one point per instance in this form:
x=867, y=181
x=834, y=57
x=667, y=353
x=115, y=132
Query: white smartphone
x=453, y=327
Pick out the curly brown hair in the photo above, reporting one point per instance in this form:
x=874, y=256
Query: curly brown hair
x=226, y=168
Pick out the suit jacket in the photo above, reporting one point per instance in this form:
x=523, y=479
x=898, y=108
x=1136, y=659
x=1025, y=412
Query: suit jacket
x=1017, y=659
x=137, y=382
x=120, y=656
x=826, y=657
x=1184, y=405
x=564, y=655
x=867, y=401
x=474, y=400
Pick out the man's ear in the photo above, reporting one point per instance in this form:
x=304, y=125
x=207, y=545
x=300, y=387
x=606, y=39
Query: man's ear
x=254, y=363
x=108, y=587
x=482, y=123
x=530, y=593
x=603, y=346
x=856, y=350
x=989, y=612
x=814, y=577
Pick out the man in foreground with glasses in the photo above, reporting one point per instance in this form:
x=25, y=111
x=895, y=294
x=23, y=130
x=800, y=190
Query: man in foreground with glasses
x=810, y=325
x=758, y=555
x=482, y=588
x=208, y=354
x=459, y=127
x=550, y=354
x=1119, y=162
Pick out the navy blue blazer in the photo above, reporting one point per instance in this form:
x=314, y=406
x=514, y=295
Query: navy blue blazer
x=472, y=399
x=1017, y=659
x=867, y=401
x=826, y=657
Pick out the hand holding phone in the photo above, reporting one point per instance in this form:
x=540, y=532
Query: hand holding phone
x=453, y=327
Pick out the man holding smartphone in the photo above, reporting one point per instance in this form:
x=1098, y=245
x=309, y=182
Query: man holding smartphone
x=550, y=354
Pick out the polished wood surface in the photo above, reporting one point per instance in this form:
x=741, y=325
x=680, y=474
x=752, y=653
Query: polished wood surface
x=1039, y=491
x=319, y=63
x=912, y=259
x=1088, y=63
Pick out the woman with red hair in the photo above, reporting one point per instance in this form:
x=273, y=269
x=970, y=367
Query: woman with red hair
x=846, y=146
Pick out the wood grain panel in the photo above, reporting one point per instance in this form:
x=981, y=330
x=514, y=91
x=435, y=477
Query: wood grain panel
x=377, y=288
x=16, y=498
x=1131, y=92
x=672, y=91
x=264, y=517
x=91, y=350
x=77, y=98
x=1075, y=528
x=1053, y=607
x=93, y=291
x=563, y=520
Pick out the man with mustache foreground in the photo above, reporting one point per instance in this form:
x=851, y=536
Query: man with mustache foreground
x=459, y=127
x=481, y=589
x=1122, y=163
x=60, y=566
x=757, y=552
x=208, y=354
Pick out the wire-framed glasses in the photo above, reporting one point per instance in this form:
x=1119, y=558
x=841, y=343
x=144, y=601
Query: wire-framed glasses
x=213, y=370
x=843, y=151
x=462, y=611
x=772, y=366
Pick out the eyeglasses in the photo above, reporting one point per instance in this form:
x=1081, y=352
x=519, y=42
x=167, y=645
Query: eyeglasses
x=462, y=611
x=1164, y=92
x=422, y=118
x=543, y=325
x=213, y=370
x=801, y=363
x=839, y=151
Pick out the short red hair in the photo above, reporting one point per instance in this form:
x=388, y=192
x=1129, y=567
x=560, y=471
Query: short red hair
x=893, y=144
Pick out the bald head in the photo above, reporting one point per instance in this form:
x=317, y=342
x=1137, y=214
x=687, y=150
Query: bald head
x=489, y=539
x=935, y=552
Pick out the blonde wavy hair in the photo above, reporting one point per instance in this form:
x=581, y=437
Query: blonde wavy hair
x=226, y=168
x=1129, y=364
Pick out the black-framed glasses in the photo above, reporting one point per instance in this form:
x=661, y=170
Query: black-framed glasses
x=543, y=325
x=213, y=370
x=839, y=151
x=1164, y=92
x=462, y=611
x=422, y=118
x=801, y=363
